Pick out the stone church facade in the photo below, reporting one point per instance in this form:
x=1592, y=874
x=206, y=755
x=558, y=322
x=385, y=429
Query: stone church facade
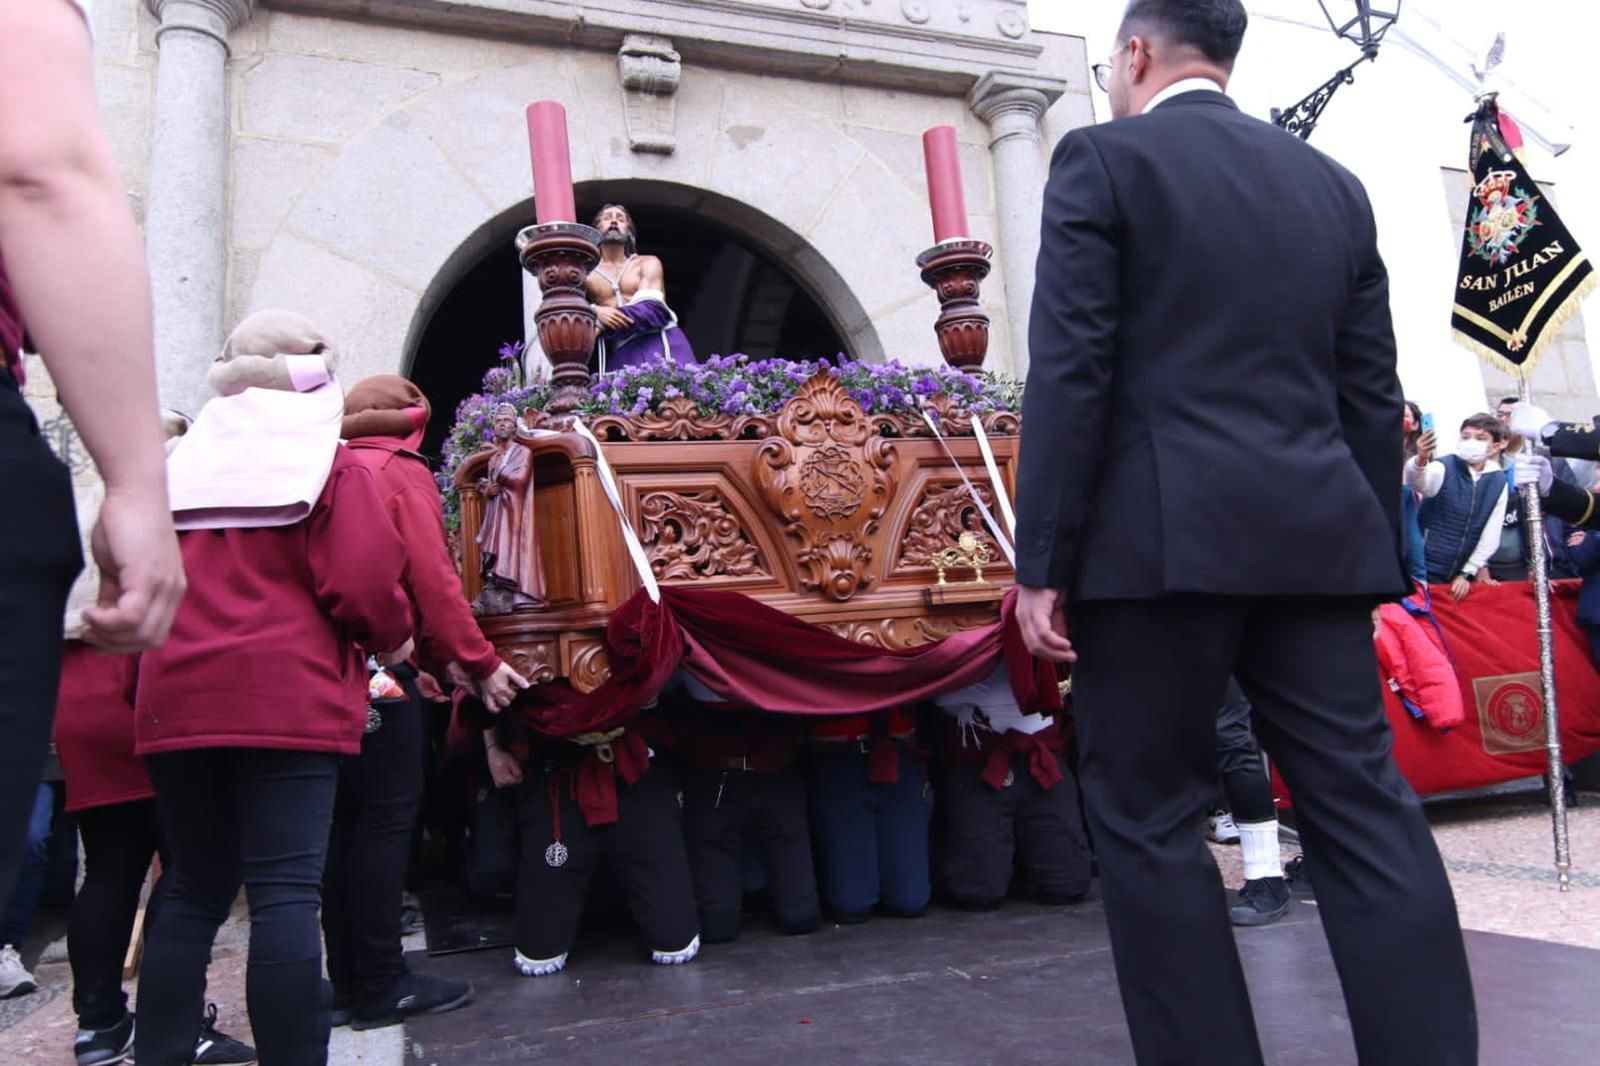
x=351, y=159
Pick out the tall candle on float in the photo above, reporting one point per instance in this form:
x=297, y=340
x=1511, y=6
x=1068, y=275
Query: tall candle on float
x=552, y=163
x=945, y=196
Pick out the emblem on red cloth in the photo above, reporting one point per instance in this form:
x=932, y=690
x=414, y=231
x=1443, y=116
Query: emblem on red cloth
x=1510, y=713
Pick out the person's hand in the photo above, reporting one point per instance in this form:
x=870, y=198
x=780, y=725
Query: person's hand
x=1575, y=538
x=504, y=769
x=1042, y=617
x=491, y=490
x=500, y=688
x=1459, y=588
x=612, y=317
x=141, y=572
x=399, y=655
x=1529, y=421
x=1534, y=470
x=457, y=675
x=1486, y=578
x=1425, y=446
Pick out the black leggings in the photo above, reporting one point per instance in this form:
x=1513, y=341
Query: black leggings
x=259, y=817
x=1244, y=776
x=118, y=842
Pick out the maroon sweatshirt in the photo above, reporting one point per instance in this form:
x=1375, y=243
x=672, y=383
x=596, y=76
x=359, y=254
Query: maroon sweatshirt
x=444, y=624
x=263, y=652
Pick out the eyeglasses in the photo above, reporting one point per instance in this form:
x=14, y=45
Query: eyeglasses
x=1102, y=76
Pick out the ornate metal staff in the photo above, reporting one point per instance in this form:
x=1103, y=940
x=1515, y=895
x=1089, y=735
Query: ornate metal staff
x=1547, y=669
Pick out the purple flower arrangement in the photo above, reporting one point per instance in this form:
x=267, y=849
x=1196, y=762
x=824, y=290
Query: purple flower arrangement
x=722, y=384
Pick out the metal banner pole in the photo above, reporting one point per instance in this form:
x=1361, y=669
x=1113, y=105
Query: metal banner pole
x=1547, y=670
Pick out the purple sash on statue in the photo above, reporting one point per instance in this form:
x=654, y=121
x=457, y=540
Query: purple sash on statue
x=651, y=335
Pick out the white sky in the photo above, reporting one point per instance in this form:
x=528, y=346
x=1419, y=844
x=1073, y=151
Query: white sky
x=1401, y=120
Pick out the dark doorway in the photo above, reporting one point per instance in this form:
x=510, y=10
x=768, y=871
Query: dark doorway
x=729, y=296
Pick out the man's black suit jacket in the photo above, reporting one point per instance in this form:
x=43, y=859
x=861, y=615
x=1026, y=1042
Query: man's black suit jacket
x=1212, y=404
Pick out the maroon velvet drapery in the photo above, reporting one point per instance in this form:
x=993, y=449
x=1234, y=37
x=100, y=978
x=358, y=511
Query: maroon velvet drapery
x=757, y=657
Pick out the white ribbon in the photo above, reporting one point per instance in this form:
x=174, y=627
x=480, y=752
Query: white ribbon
x=988, y=518
x=1000, y=493
x=608, y=481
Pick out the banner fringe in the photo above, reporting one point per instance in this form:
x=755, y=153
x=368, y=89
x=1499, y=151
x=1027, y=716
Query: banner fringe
x=1547, y=336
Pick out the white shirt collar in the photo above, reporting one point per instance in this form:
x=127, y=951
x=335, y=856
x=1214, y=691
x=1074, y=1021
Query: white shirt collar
x=1178, y=88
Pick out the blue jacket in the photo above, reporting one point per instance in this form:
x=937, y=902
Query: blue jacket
x=1411, y=536
x=1586, y=558
x=1453, y=519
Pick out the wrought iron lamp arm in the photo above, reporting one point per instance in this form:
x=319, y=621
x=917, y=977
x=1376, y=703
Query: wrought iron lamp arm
x=1301, y=118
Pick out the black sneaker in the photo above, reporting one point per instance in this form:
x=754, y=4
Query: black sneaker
x=342, y=1010
x=1298, y=877
x=214, y=1048
x=416, y=994
x=1261, y=902
x=102, y=1047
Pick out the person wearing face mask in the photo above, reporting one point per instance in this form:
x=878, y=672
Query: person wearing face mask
x=1464, y=503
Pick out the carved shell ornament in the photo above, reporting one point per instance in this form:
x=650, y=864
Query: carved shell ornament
x=915, y=11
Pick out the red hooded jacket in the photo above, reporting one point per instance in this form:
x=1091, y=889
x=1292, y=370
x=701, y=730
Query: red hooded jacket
x=1415, y=667
x=264, y=650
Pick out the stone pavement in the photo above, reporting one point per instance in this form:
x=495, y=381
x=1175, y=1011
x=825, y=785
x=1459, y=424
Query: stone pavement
x=1497, y=848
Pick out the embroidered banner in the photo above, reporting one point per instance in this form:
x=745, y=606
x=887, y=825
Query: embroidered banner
x=1521, y=274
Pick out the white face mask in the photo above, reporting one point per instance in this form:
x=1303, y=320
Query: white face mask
x=1473, y=451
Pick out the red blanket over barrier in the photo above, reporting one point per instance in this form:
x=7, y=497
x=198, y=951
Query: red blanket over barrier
x=1493, y=642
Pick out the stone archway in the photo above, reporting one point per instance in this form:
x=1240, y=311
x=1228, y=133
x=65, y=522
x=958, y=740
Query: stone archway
x=739, y=280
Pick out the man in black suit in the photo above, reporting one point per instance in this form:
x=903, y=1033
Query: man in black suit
x=1212, y=316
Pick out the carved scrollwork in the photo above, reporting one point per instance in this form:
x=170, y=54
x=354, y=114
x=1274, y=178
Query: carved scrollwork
x=535, y=662
x=829, y=476
x=911, y=632
x=591, y=666
x=692, y=536
x=680, y=418
x=940, y=517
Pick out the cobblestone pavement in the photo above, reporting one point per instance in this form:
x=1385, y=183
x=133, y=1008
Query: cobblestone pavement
x=1498, y=850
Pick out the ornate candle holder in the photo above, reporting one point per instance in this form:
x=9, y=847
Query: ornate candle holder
x=561, y=255
x=955, y=270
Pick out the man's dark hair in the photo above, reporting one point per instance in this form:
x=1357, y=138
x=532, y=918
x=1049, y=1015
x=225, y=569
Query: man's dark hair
x=1505, y=400
x=1489, y=424
x=1213, y=27
x=632, y=241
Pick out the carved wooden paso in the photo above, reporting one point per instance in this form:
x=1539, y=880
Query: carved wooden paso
x=560, y=255
x=955, y=270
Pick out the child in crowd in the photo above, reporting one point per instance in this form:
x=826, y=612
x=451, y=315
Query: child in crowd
x=1464, y=503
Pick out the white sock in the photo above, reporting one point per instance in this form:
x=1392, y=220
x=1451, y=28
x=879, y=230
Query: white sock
x=540, y=967
x=1259, y=843
x=677, y=958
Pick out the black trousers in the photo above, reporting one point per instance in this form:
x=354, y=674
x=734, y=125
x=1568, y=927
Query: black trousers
x=1148, y=744
x=1245, y=783
x=39, y=559
x=232, y=816
x=725, y=811
x=368, y=849
x=645, y=847
x=990, y=828
x=118, y=843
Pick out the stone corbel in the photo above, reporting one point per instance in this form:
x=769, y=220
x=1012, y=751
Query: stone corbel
x=650, y=70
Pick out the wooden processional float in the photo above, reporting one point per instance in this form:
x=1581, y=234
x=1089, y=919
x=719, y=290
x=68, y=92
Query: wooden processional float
x=859, y=523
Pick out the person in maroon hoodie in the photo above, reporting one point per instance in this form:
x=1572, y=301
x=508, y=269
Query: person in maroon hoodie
x=243, y=714
x=380, y=791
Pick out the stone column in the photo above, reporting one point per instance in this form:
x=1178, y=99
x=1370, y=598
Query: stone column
x=1012, y=110
x=186, y=220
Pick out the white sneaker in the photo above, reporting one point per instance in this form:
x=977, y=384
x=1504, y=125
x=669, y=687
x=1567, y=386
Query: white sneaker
x=677, y=958
x=1220, y=828
x=15, y=980
x=540, y=967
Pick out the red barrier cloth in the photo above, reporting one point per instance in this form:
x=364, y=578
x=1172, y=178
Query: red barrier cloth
x=1492, y=641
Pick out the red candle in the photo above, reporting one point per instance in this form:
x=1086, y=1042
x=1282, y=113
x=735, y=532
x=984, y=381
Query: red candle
x=945, y=195
x=552, y=165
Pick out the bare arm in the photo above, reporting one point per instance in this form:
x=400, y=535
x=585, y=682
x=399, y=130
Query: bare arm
x=652, y=275
x=77, y=268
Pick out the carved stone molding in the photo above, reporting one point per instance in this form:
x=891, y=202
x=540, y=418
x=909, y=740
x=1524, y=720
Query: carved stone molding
x=1011, y=107
x=692, y=536
x=941, y=516
x=213, y=18
x=829, y=477
x=650, y=69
